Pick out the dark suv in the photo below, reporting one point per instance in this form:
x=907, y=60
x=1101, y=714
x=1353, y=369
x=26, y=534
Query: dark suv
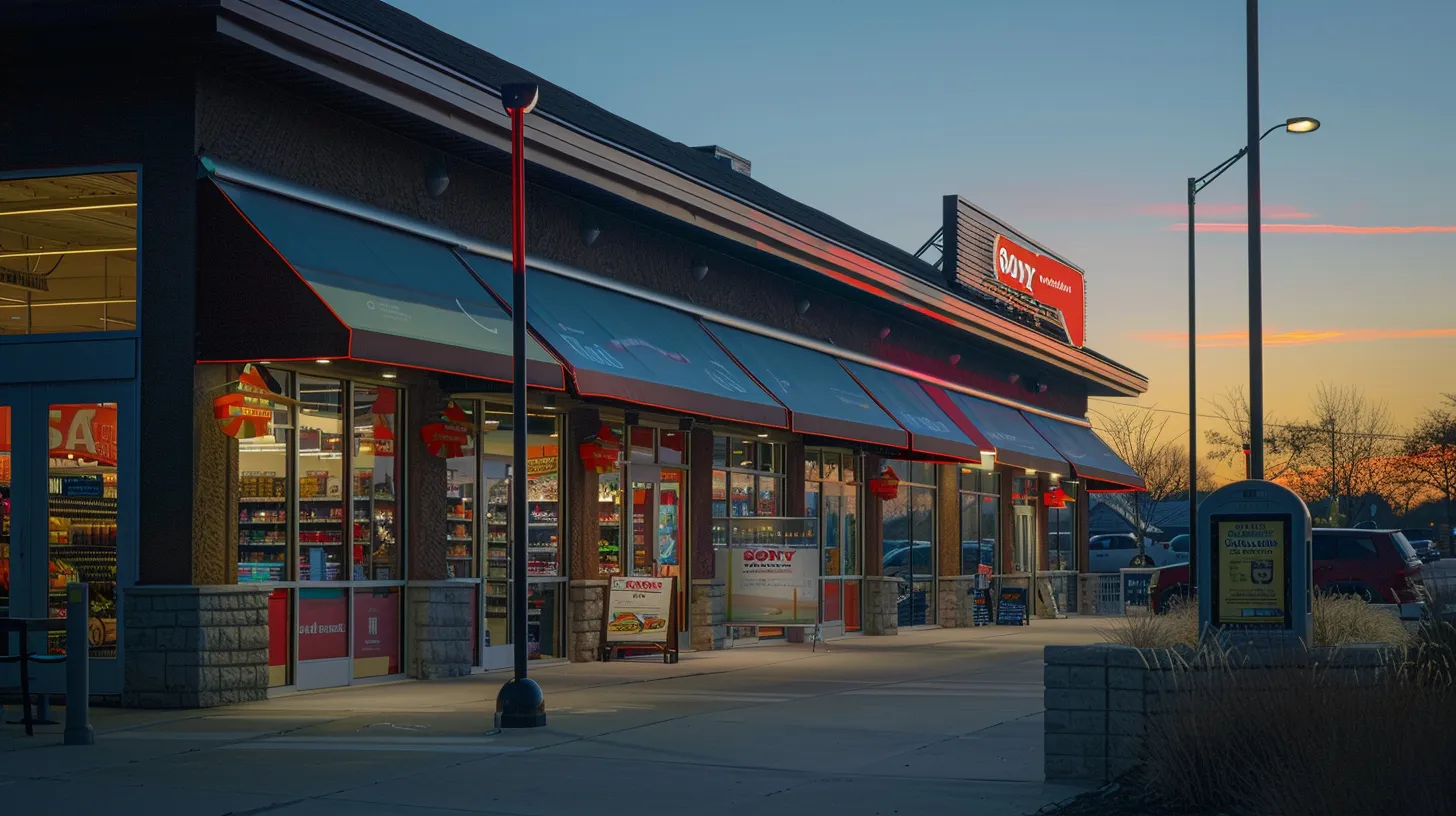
x=1377, y=565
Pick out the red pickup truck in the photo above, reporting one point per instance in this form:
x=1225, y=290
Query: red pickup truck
x=1377, y=565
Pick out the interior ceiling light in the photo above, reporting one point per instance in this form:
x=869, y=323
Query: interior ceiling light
x=120, y=205
x=47, y=253
x=323, y=362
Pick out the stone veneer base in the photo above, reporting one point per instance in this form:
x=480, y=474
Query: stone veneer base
x=438, y=614
x=194, y=647
x=881, y=605
x=588, y=607
x=708, y=610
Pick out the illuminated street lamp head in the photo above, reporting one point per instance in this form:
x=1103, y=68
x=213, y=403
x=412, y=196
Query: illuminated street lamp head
x=1302, y=124
x=520, y=96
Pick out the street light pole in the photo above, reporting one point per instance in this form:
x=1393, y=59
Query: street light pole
x=1298, y=124
x=520, y=702
x=1256, y=272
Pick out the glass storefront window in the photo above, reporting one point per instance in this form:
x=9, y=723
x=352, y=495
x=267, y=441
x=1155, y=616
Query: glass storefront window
x=980, y=520
x=742, y=489
x=47, y=286
x=264, y=506
x=672, y=447
x=377, y=632
x=320, y=474
x=1062, y=532
x=84, y=448
x=462, y=475
x=769, y=490
x=377, y=474
x=5, y=509
x=909, y=536
x=609, y=521
x=830, y=466
x=643, y=444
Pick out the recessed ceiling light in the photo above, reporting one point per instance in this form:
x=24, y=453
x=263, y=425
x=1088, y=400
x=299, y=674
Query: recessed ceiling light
x=763, y=436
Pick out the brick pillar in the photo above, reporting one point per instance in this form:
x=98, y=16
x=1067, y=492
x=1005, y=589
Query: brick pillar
x=587, y=590
x=425, y=504
x=439, y=620
x=708, y=599
x=872, y=525
x=794, y=502
x=881, y=610
x=215, y=488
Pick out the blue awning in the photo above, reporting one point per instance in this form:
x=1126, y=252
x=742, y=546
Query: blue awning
x=932, y=431
x=393, y=297
x=624, y=348
x=1017, y=443
x=821, y=396
x=1092, y=460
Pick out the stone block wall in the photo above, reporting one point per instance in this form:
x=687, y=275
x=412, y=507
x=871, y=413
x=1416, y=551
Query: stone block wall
x=708, y=609
x=194, y=647
x=1102, y=699
x=588, y=605
x=956, y=601
x=881, y=605
x=438, y=615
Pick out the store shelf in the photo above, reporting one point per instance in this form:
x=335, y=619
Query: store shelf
x=260, y=523
x=263, y=499
x=458, y=538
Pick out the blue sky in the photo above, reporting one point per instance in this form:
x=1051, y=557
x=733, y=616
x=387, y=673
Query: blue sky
x=1078, y=122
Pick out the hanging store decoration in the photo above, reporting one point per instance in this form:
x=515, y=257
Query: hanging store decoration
x=599, y=454
x=246, y=410
x=885, y=486
x=1055, y=497
x=447, y=437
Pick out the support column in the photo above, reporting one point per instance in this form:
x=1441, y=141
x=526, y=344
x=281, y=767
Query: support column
x=949, y=595
x=195, y=647
x=708, y=600
x=439, y=614
x=587, y=592
x=873, y=526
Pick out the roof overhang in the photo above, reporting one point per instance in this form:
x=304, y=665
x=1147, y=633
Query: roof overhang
x=365, y=63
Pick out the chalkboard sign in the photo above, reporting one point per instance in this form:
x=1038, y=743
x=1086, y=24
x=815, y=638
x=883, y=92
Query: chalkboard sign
x=1011, y=606
x=980, y=607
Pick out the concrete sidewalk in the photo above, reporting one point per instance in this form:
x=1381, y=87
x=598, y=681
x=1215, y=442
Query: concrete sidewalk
x=932, y=720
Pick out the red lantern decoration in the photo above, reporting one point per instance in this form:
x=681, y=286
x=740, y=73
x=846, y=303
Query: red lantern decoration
x=885, y=486
x=1055, y=497
x=599, y=454
x=448, y=437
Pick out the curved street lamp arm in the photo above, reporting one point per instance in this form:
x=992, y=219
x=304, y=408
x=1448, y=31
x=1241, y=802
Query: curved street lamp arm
x=1207, y=178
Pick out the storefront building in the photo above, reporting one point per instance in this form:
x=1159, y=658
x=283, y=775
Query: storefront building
x=255, y=368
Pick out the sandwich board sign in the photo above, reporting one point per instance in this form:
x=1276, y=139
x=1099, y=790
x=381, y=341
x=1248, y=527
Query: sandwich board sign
x=1255, y=575
x=641, y=614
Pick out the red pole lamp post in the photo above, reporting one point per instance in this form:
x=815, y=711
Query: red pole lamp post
x=520, y=702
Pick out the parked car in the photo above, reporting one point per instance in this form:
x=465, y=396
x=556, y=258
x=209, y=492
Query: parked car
x=902, y=560
x=1425, y=547
x=1377, y=565
x=1114, y=551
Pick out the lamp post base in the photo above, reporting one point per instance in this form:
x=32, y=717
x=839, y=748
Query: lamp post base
x=520, y=704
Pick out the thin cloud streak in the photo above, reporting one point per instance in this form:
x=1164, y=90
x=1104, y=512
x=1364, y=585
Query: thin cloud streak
x=1171, y=208
x=1310, y=229
x=1297, y=337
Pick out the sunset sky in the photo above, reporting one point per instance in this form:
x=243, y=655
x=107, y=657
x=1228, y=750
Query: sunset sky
x=1079, y=123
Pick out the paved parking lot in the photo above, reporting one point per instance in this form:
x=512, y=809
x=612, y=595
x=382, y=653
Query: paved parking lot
x=928, y=721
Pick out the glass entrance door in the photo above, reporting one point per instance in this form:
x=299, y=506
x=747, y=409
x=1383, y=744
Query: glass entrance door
x=656, y=536
x=65, y=505
x=831, y=539
x=1023, y=538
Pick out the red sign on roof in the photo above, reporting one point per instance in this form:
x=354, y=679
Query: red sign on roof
x=1049, y=281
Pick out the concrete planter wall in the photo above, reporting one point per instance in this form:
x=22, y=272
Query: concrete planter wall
x=1101, y=700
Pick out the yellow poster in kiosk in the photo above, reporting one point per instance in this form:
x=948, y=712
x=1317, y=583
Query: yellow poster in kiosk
x=1252, y=585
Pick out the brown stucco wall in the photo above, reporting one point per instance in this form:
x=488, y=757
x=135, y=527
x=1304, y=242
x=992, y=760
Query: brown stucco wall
x=243, y=121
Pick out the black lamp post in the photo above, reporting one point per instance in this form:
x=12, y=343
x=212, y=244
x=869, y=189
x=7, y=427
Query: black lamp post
x=1299, y=124
x=520, y=702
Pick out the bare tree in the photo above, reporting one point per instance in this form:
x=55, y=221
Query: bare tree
x=1344, y=450
x=1138, y=437
x=1281, y=448
x=1431, y=453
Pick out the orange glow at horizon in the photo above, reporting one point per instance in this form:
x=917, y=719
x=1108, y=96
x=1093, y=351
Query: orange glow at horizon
x=1296, y=337
x=1309, y=229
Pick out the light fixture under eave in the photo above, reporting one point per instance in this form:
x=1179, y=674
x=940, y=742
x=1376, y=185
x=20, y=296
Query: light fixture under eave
x=390, y=374
x=323, y=362
x=955, y=359
x=700, y=270
x=763, y=436
x=802, y=307
x=1302, y=124
x=988, y=460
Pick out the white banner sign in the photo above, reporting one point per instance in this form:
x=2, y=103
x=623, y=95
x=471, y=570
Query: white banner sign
x=773, y=585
